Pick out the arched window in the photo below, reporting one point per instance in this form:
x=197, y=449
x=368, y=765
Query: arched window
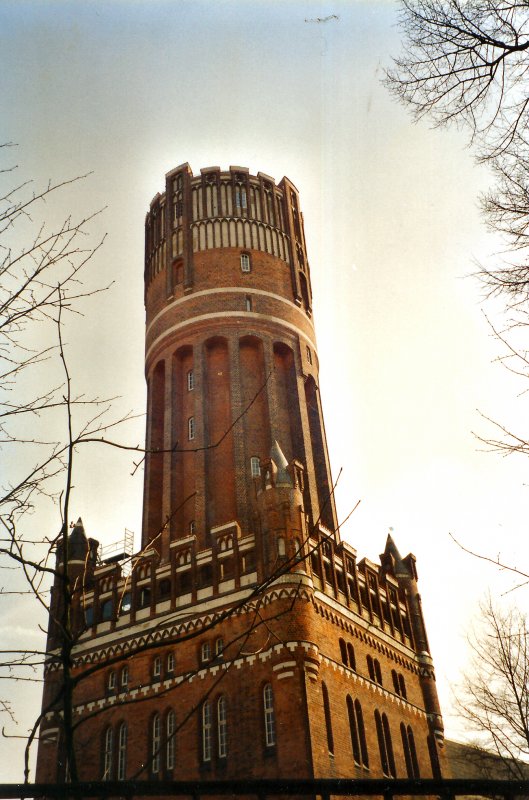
x=280, y=546
x=402, y=687
x=385, y=745
x=107, y=755
x=171, y=740
x=343, y=651
x=269, y=715
x=170, y=662
x=205, y=652
x=255, y=467
x=122, y=752
x=351, y=656
x=370, y=668
x=157, y=667
x=410, y=753
x=328, y=721
x=124, y=677
x=353, y=728
x=206, y=731
x=191, y=428
x=378, y=672
x=111, y=681
x=361, y=734
x=222, y=727
x=219, y=647
x=156, y=742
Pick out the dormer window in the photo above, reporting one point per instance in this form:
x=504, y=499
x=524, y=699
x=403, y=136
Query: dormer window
x=245, y=263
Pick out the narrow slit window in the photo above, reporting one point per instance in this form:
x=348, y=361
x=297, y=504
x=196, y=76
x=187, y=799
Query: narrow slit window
x=191, y=428
x=190, y=380
x=171, y=740
x=269, y=716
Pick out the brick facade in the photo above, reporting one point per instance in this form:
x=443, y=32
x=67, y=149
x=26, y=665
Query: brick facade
x=245, y=639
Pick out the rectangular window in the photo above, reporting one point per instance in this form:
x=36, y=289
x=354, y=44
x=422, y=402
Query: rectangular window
x=191, y=428
x=171, y=736
x=205, y=652
x=248, y=303
x=309, y=355
x=269, y=716
x=157, y=667
x=190, y=380
x=170, y=662
x=245, y=262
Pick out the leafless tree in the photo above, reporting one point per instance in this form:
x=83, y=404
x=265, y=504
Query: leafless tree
x=495, y=697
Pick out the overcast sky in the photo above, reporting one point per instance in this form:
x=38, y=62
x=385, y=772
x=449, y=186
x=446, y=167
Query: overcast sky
x=127, y=91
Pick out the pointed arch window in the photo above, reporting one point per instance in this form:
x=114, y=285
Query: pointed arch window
x=385, y=746
x=222, y=727
x=156, y=743
x=328, y=720
x=122, y=751
x=410, y=753
x=108, y=752
x=351, y=656
x=206, y=731
x=358, y=733
x=269, y=715
x=171, y=740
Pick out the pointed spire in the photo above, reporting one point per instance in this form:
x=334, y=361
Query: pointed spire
x=77, y=541
x=278, y=457
x=392, y=556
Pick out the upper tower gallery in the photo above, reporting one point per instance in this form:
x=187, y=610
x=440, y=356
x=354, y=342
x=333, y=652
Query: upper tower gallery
x=231, y=360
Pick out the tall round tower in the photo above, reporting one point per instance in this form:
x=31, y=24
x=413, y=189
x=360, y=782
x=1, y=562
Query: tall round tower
x=231, y=360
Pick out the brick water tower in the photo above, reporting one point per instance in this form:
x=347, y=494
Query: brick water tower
x=245, y=639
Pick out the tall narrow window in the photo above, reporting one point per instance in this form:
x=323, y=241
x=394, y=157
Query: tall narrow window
x=205, y=652
x=192, y=527
x=171, y=740
x=343, y=651
x=328, y=721
x=361, y=734
x=222, y=727
x=206, y=731
x=309, y=355
x=111, y=683
x=156, y=739
x=245, y=262
x=353, y=728
x=219, y=647
x=248, y=303
x=378, y=672
x=122, y=751
x=157, y=667
x=410, y=753
x=191, y=428
x=124, y=678
x=107, y=761
x=351, y=656
x=170, y=662
x=269, y=716
x=255, y=467
x=190, y=380
x=385, y=746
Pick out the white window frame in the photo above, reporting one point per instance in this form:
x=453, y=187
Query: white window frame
x=122, y=752
x=219, y=646
x=269, y=715
x=191, y=428
x=205, y=652
x=111, y=681
x=170, y=662
x=190, y=380
x=109, y=746
x=246, y=264
x=255, y=467
x=157, y=667
x=125, y=677
x=206, y=731
x=156, y=741
x=170, y=727
x=222, y=727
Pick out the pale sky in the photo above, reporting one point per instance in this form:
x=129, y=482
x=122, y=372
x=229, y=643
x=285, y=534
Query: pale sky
x=129, y=90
